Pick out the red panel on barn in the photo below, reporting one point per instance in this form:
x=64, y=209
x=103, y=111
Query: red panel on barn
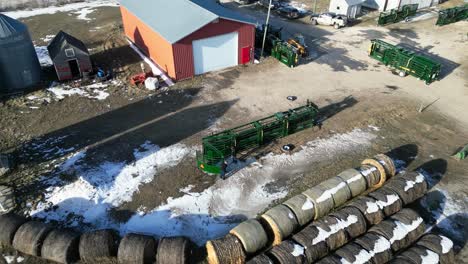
x=183, y=53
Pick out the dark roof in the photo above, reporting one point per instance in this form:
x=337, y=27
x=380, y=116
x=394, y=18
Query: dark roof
x=62, y=39
x=10, y=27
x=176, y=19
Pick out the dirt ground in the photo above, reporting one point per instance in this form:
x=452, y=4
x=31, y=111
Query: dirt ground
x=353, y=91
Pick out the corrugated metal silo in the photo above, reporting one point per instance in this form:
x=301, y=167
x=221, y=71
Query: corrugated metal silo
x=19, y=65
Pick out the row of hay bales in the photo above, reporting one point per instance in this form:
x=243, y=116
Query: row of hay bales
x=349, y=222
x=278, y=223
x=431, y=248
x=66, y=246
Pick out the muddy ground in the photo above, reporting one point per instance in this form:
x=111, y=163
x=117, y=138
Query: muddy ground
x=353, y=91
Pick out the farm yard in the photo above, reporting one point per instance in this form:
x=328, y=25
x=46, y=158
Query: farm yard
x=116, y=156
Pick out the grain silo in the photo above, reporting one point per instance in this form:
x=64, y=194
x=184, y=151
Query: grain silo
x=19, y=65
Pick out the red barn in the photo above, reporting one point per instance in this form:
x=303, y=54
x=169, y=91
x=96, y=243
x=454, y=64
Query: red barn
x=188, y=37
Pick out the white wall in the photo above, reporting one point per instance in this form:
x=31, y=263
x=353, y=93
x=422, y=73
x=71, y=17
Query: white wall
x=339, y=7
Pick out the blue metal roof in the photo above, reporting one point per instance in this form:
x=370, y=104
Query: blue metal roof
x=176, y=19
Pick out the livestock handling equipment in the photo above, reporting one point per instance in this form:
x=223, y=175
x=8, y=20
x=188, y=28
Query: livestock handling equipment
x=405, y=61
x=397, y=15
x=452, y=15
x=219, y=147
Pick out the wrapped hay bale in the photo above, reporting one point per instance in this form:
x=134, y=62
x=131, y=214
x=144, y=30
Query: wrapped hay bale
x=9, y=224
x=98, y=245
x=332, y=231
x=378, y=247
x=251, y=234
x=331, y=259
x=338, y=189
x=288, y=252
x=137, y=249
x=387, y=163
x=260, y=259
x=322, y=200
x=419, y=255
x=61, y=246
x=387, y=200
x=279, y=222
x=370, y=208
x=314, y=247
x=30, y=236
x=371, y=175
x=381, y=171
x=350, y=214
x=409, y=187
x=225, y=250
x=174, y=250
x=400, y=260
x=441, y=245
x=409, y=228
x=356, y=182
x=302, y=207
x=353, y=253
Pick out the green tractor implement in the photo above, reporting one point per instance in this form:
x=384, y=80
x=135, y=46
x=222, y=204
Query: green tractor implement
x=405, y=61
x=452, y=15
x=397, y=15
x=220, y=147
x=286, y=53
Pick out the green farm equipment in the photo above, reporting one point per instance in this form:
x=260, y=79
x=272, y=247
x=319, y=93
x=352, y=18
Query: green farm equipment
x=397, y=15
x=286, y=53
x=219, y=147
x=273, y=36
x=452, y=15
x=405, y=61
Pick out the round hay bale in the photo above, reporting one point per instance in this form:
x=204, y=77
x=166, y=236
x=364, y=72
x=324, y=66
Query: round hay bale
x=314, y=248
x=331, y=259
x=409, y=187
x=401, y=260
x=378, y=246
x=61, y=246
x=225, y=250
x=288, y=252
x=302, y=207
x=97, y=245
x=387, y=163
x=332, y=231
x=338, y=189
x=356, y=182
x=381, y=170
x=439, y=244
x=418, y=254
x=136, y=248
x=371, y=175
x=387, y=200
x=322, y=200
x=9, y=224
x=174, y=250
x=352, y=253
x=251, y=234
x=260, y=259
x=349, y=213
x=409, y=228
x=370, y=208
x=280, y=222
x=30, y=236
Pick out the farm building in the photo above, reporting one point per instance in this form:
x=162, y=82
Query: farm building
x=385, y=5
x=70, y=56
x=350, y=8
x=187, y=38
x=19, y=65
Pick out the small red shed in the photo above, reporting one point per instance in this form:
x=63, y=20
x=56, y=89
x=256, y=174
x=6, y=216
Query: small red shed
x=188, y=37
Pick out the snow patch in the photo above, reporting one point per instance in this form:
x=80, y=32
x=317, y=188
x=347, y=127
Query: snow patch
x=342, y=224
x=446, y=244
x=48, y=38
x=374, y=207
x=307, y=205
x=410, y=184
x=401, y=230
x=330, y=192
x=430, y=258
x=298, y=250
x=364, y=256
x=93, y=91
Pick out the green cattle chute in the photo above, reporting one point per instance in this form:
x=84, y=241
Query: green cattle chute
x=405, y=61
x=452, y=15
x=219, y=147
x=397, y=15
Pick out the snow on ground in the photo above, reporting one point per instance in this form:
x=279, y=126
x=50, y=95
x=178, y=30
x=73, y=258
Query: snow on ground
x=82, y=9
x=13, y=259
x=43, y=55
x=301, y=7
x=48, y=38
x=199, y=216
x=92, y=91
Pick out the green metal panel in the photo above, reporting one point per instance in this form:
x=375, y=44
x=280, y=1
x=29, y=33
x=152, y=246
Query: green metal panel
x=405, y=61
x=218, y=147
x=397, y=15
x=452, y=15
x=286, y=53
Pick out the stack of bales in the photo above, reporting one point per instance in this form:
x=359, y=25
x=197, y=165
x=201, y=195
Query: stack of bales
x=333, y=231
x=281, y=221
x=382, y=241
x=430, y=248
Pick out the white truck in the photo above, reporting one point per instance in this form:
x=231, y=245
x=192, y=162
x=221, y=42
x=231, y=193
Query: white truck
x=329, y=19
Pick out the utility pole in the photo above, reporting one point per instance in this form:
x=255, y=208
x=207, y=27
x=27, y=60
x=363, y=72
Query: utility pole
x=315, y=7
x=265, y=29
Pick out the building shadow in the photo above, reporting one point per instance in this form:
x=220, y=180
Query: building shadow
x=455, y=227
x=433, y=171
x=403, y=155
x=328, y=111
